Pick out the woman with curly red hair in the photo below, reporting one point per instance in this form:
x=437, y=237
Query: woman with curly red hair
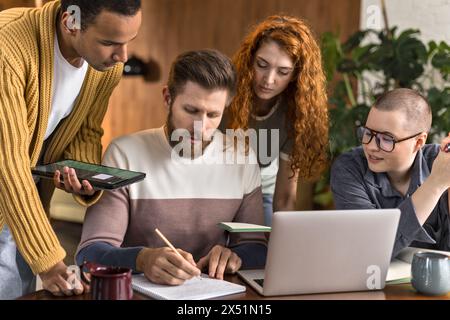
x=282, y=87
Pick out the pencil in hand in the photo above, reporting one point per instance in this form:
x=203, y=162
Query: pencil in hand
x=170, y=245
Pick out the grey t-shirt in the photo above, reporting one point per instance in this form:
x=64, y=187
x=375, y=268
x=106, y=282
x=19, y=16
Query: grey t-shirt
x=355, y=186
x=272, y=142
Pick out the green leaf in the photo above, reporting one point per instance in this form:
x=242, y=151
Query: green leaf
x=432, y=47
x=354, y=41
x=347, y=66
x=444, y=46
x=407, y=34
x=331, y=54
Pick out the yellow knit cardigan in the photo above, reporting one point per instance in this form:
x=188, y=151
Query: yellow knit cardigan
x=26, y=72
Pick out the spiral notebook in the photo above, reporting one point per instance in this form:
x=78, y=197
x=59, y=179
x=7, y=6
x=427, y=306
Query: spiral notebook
x=193, y=289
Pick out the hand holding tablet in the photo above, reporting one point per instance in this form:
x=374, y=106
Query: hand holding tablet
x=67, y=180
x=83, y=178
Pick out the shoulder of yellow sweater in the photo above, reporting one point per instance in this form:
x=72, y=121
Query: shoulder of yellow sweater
x=18, y=37
x=9, y=16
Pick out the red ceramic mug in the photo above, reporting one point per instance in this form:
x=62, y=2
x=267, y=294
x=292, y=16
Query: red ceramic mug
x=106, y=282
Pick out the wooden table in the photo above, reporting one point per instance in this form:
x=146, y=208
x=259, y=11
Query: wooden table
x=390, y=292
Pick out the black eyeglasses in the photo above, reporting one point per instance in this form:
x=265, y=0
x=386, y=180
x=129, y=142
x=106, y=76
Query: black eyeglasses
x=385, y=141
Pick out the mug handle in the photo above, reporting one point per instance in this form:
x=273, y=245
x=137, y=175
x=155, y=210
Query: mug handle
x=90, y=266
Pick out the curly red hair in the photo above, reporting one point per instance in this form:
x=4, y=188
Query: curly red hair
x=307, y=114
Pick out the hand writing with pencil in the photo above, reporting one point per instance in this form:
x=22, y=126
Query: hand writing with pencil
x=166, y=265
x=171, y=266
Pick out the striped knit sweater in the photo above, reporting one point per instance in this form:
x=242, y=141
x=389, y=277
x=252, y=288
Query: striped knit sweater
x=185, y=199
x=26, y=72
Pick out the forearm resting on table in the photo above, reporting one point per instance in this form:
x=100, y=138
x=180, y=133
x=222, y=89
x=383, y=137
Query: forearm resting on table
x=142, y=256
x=106, y=254
x=253, y=255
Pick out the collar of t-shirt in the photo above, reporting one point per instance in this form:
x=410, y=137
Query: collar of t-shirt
x=67, y=83
x=270, y=114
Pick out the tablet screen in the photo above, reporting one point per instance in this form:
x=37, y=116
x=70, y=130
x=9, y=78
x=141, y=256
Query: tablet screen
x=102, y=177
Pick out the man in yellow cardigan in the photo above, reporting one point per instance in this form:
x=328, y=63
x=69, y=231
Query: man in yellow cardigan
x=57, y=72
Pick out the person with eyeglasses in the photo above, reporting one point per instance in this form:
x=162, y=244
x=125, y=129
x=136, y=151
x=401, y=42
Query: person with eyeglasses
x=395, y=168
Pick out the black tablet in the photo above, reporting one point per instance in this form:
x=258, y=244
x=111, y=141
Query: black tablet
x=100, y=177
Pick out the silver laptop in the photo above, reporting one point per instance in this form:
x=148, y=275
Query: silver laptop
x=326, y=251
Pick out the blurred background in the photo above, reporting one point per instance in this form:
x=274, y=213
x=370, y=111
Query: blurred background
x=173, y=26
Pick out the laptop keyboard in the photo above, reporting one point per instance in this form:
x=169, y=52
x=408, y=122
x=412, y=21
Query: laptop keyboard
x=260, y=282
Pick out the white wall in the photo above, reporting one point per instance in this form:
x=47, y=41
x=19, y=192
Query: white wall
x=432, y=17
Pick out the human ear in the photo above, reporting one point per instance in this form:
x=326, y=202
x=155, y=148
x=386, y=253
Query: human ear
x=421, y=141
x=166, y=97
x=68, y=25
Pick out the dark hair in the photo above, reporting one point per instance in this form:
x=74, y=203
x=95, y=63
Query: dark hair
x=90, y=9
x=411, y=103
x=208, y=68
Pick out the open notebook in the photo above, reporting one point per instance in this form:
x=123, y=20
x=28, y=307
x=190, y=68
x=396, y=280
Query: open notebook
x=194, y=289
x=400, y=268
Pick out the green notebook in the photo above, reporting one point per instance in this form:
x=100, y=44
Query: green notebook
x=399, y=281
x=243, y=227
x=400, y=268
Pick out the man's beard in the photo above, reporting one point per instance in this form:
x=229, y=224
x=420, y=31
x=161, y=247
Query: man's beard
x=197, y=149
